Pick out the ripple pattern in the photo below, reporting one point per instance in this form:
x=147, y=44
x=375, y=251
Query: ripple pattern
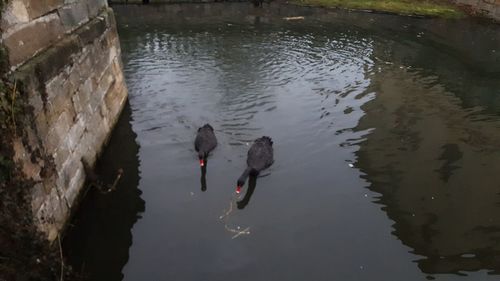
x=246, y=81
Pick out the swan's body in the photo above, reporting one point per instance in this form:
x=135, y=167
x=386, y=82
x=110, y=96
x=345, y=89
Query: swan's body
x=260, y=157
x=205, y=142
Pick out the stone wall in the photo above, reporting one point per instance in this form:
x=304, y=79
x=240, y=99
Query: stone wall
x=487, y=8
x=64, y=56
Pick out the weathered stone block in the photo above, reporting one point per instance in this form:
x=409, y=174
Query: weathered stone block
x=103, y=85
x=22, y=157
x=38, y=195
x=37, y=8
x=92, y=31
x=84, y=68
x=101, y=61
x=14, y=13
x=35, y=100
x=42, y=126
x=85, y=148
x=95, y=6
x=59, y=91
x=32, y=38
x=75, y=186
x=104, y=111
x=75, y=133
x=67, y=172
x=58, y=132
x=62, y=104
x=98, y=132
x=56, y=59
x=73, y=15
x=52, y=215
x=61, y=155
x=84, y=92
x=116, y=97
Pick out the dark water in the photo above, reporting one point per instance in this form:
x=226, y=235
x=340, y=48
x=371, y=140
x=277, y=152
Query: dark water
x=387, y=152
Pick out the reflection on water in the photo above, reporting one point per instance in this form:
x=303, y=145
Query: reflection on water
x=100, y=236
x=435, y=165
x=365, y=111
x=203, y=179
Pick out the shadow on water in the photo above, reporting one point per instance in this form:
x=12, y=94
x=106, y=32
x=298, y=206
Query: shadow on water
x=98, y=241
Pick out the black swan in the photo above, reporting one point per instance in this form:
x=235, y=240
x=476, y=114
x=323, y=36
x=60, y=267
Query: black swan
x=260, y=157
x=204, y=143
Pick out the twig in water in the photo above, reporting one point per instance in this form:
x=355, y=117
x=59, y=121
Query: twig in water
x=237, y=232
x=229, y=211
x=244, y=231
x=117, y=179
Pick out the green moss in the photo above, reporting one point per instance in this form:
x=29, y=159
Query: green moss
x=406, y=7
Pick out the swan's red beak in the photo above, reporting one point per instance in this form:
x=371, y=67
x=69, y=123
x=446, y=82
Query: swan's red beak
x=238, y=189
x=202, y=163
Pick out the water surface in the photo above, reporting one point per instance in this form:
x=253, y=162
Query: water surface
x=387, y=144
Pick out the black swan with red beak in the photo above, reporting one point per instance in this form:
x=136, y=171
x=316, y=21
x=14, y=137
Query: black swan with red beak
x=260, y=157
x=204, y=143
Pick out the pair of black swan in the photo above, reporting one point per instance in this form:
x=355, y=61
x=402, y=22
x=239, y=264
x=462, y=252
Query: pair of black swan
x=260, y=155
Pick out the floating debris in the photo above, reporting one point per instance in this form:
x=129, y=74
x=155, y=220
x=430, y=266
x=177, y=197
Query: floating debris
x=237, y=232
x=468, y=256
x=245, y=231
x=351, y=165
x=294, y=18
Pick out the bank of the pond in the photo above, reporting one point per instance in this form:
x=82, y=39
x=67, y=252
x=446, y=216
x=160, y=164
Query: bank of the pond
x=402, y=7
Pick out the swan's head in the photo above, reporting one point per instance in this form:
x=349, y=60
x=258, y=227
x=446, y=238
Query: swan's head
x=239, y=185
x=201, y=158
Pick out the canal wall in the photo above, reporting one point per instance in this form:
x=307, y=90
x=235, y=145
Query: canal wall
x=64, y=63
x=486, y=8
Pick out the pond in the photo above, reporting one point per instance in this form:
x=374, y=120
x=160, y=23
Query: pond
x=386, y=136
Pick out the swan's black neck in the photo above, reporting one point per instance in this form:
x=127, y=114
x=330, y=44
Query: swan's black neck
x=244, y=176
